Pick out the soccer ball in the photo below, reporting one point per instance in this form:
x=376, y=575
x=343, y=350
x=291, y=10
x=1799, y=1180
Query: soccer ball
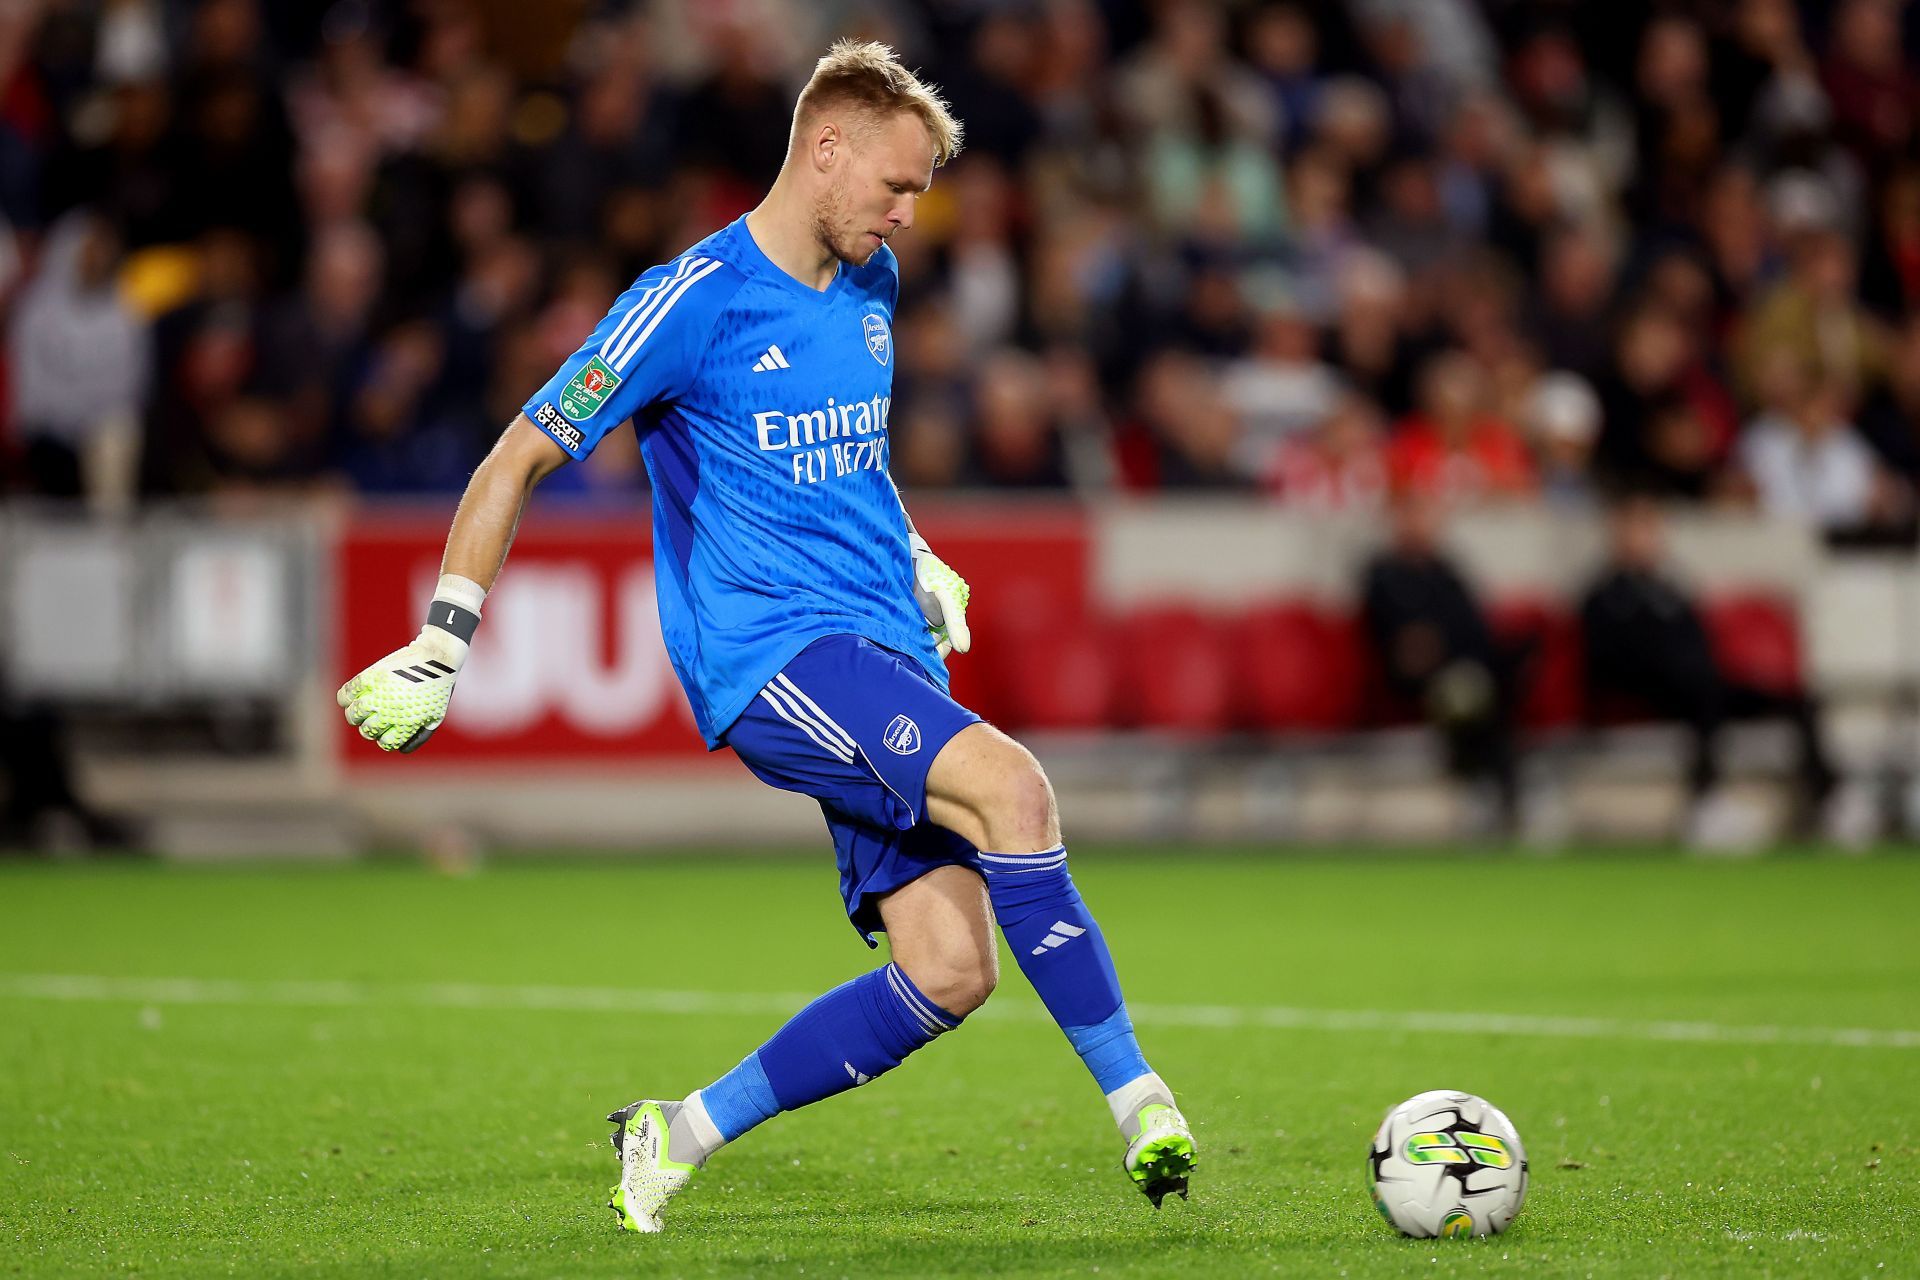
x=1447, y=1164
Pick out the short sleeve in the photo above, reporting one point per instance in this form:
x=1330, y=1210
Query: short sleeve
x=645, y=351
x=891, y=265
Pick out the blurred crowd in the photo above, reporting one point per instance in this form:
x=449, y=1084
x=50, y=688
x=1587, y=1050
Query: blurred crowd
x=1329, y=251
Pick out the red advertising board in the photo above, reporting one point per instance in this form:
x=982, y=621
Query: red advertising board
x=569, y=668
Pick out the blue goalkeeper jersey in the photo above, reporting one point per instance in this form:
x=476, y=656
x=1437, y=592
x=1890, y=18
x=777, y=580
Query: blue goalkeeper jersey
x=761, y=406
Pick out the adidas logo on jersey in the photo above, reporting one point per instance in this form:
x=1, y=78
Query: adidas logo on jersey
x=859, y=1077
x=773, y=359
x=1058, y=936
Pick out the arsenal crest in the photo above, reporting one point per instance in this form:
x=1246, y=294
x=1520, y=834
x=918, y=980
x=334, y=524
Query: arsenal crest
x=879, y=341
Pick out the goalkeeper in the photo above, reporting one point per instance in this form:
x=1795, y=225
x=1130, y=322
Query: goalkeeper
x=809, y=624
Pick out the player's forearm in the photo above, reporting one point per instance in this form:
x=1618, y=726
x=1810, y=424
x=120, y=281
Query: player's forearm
x=483, y=525
x=489, y=511
x=919, y=543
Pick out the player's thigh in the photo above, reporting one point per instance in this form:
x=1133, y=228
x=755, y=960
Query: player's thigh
x=992, y=792
x=940, y=931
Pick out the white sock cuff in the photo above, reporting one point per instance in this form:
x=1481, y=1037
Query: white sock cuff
x=1126, y=1101
x=705, y=1132
x=1045, y=860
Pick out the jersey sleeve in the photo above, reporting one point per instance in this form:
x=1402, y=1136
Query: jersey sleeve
x=647, y=350
x=891, y=265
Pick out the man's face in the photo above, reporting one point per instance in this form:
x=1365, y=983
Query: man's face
x=879, y=172
x=1637, y=535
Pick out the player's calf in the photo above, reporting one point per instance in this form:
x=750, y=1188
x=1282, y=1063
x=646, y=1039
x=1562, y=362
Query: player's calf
x=940, y=930
x=993, y=786
x=845, y=1038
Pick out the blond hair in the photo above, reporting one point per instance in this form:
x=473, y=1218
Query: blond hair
x=869, y=77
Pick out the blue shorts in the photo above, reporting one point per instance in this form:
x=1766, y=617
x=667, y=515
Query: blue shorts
x=856, y=727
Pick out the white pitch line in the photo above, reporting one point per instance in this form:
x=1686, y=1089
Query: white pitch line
x=467, y=995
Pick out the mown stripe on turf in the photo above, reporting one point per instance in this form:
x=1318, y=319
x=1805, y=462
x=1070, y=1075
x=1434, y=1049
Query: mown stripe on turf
x=464, y=995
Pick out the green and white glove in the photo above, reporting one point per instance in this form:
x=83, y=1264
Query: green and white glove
x=942, y=595
x=400, y=700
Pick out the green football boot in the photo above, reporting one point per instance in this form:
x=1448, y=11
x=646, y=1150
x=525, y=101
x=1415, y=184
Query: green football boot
x=1160, y=1155
x=649, y=1175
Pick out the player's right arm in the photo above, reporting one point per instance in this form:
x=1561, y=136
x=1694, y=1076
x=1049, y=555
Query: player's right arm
x=400, y=700
x=645, y=351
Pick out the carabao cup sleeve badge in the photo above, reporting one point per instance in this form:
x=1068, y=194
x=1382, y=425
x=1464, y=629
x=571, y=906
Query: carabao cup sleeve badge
x=588, y=390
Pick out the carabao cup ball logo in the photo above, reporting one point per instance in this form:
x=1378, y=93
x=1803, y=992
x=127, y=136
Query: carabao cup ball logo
x=902, y=736
x=879, y=341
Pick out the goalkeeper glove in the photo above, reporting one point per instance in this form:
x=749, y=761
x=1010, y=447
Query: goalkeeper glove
x=400, y=700
x=942, y=596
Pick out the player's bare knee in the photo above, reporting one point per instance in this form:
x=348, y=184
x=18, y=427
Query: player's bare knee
x=958, y=980
x=968, y=984
x=1025, y=813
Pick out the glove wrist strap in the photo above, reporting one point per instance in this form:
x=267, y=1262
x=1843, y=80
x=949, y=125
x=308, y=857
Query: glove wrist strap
x=456, y=606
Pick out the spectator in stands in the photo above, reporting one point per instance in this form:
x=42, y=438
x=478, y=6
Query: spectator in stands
x=1867, y=80
x=1668, y=422
x=312, y=339
x=985, y=297
x=1890, y=273
x=1648, y=650
x=1452, y=446
x=1563, y=423
x=1321, y=235
x=1736, y=235
x=1281, y=386
x=1890, y=420
x=206, y=351
x=1435, y=650
x=1015, y=443
x=1283, y=43
x=1816, y=314
x=1575, y=294
x=1808, y=463
x=1369, y=345
x=80, y=359
x=1189, y=96
x=1079, y=412
x=398, y=437
x=1352, y=126
x=1411, y=224
x=1339, y=464
x=1128, y=164
x=1186, y=436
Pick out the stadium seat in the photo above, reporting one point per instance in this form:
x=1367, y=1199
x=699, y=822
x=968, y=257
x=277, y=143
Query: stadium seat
x=1756, y=640
x=1175, y=673
x=1552, y=681
x=1296, y=670
x=1059, y=679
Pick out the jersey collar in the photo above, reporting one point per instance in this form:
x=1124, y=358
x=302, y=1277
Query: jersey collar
x=765, y=266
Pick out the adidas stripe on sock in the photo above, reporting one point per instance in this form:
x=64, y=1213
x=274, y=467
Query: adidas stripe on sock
x=1064, y=955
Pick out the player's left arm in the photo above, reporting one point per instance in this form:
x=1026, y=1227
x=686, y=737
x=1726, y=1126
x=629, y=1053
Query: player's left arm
x=941, y=593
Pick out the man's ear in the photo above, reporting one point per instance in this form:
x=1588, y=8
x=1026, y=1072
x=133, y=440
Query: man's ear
x=828, y=145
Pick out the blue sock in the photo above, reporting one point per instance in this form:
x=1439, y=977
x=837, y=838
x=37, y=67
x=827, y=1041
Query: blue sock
x=846, y=1037
x=1061, y=950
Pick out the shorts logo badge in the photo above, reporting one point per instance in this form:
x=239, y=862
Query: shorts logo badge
x=588, y=390
x=902, y=736
x=879, y=341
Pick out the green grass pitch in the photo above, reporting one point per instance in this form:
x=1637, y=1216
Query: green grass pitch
x=382, y=1071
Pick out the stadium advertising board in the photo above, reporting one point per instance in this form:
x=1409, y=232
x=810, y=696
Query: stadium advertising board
x=568, y=665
